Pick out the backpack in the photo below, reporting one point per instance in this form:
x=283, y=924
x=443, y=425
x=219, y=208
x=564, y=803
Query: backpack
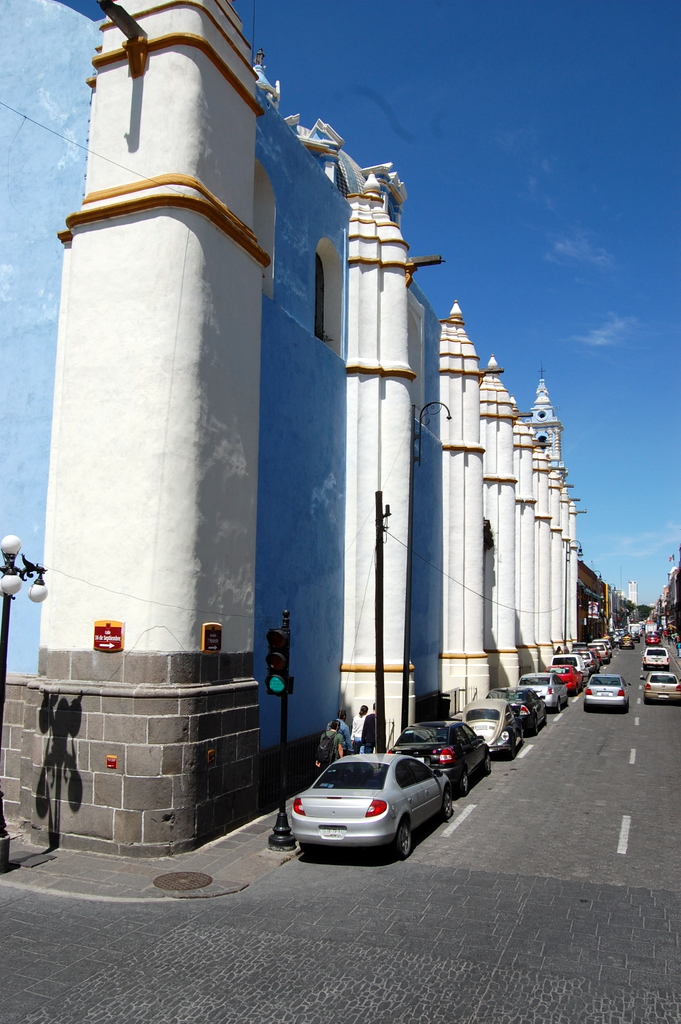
x=326, y=749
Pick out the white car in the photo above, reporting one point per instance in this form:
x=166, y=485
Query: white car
x=607, y=692
x=549, y=687
x=654, y=658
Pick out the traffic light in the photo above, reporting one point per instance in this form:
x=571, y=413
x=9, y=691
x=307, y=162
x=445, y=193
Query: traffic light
x=277, y=681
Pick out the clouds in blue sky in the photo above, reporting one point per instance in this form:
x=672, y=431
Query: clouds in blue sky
x=613, y=331
x=579, y=248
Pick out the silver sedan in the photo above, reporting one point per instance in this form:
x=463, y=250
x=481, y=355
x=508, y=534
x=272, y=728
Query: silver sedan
x=549, y=687
x=370, y=800
x=607, y=692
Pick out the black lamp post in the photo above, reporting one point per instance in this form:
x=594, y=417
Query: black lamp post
x=10, y=584
x=415, y=456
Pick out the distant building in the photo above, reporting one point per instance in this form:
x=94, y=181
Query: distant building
x=633, y=591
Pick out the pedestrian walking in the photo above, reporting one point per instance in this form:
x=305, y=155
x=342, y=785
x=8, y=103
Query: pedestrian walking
x=678, y=649
x=330, y=746
x=344, y=730
x=369, y=733
x=357, y=727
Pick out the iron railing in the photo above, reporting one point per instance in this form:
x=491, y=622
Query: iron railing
x=300, y=769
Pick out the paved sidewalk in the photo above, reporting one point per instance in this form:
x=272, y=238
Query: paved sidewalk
x=231, y=863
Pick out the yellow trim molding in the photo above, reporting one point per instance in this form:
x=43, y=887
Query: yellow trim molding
x=379, y=371
x=453, y=657
x=65, y=237
x=372, y=668
x=527, y=501
x=540, y=515
x=493, y=478
x=463, y=447
x=210, y=207
x=173, y=39
x=188, y=3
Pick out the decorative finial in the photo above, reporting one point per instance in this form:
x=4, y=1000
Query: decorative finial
x=455, y=314
x=493, y=366
x=372, y=186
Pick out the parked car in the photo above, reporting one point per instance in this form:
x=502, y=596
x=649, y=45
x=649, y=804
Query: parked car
x=627, y=644
x=602, y=649
x=664, y=686
x=607, y=691
x=497, y=723
x=528, y=706
x=370, y=800
x=591, y=661
x=549, y=686
x=575, y=661
x=569, y=675
x=654, y=657
x=452, y=747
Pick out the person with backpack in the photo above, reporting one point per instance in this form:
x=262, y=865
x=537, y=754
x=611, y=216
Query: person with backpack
x=330, y=746
x=344, y=730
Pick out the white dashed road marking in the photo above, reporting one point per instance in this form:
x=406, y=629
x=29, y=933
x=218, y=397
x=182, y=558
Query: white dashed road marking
x=636, y=721
x=632, y=756
x=638, y=700
x=556, y=718
x=462, y=817
x=624, y=834
x=526, y=749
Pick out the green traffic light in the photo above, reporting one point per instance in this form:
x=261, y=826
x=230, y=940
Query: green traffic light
x=276, y=684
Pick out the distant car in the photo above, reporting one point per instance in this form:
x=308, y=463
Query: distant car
x=497, y=723
x=607, y=691
x=663, y=686
x=569, y=675
x=655, y=657
x=452, y=747
x=627, y=644
x=528, y=706
x=602, y=648
x=370, y=800
x=591, y=661
x=550, y=687
x=652, y=639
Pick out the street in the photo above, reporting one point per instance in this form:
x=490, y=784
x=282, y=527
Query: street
x=553, y=895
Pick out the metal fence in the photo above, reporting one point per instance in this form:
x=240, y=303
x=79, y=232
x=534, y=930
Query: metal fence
x=300, y=769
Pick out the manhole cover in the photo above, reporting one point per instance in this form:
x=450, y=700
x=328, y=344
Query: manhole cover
x=182, y=880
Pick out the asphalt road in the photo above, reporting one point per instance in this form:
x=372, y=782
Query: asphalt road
x=524, y=912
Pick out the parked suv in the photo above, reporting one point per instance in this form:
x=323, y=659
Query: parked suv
x=575, y=660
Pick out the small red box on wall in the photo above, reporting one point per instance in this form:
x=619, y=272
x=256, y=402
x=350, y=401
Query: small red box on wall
x=111, y=761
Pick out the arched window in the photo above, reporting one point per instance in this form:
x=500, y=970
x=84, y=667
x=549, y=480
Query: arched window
x=328, y=296
x=264, y=215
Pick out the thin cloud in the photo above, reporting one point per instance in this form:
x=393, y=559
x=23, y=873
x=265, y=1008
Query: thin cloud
x=579, y=248
x=516, y=141
x=646, y=545
x=612, y=332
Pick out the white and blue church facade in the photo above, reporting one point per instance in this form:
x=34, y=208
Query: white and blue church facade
x=228, y=373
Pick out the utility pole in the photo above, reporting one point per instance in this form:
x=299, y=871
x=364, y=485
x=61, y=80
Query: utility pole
x=381, y=516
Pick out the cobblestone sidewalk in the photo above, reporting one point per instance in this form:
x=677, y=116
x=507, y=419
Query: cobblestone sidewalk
x=231, y=863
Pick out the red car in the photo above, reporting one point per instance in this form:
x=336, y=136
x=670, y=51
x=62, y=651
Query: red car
x=652, y=638
x=572, y=677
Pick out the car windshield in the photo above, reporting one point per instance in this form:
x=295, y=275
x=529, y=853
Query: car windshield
x=608, y=681
x=564, y=661
x=535, y=681
x=424, y=734
x=661, y=677
x=483, y=715
x=354, y=775
x=510, y=694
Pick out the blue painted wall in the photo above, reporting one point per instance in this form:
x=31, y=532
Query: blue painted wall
x=45, y=55
x=427, y=564
x=301, y=496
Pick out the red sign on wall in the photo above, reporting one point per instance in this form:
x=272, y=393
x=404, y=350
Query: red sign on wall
x=109, y=636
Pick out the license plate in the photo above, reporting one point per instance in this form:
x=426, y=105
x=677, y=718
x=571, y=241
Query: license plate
x=663, y=696
x=332, y=833
x=421, y=759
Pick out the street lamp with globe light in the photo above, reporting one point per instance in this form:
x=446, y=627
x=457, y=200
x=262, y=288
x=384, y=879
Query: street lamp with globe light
x=11, y=583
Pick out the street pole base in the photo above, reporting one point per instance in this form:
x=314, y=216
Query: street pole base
x=4, y=854
x=282, y=837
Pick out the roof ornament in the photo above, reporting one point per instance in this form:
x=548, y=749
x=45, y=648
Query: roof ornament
x=273, y=92
x=372, y=188
x=493, y=367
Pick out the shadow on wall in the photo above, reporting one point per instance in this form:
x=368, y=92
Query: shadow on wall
x=61, y=722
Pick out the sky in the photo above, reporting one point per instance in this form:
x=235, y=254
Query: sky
x=539, y=143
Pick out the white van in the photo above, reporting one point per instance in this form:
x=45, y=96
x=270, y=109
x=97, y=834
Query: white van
x=571, y=659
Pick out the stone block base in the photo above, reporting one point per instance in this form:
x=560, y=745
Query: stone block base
x=137, y=769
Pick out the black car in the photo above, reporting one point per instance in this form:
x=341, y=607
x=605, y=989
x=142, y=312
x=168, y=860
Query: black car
x=450, y=746
x=528, y=706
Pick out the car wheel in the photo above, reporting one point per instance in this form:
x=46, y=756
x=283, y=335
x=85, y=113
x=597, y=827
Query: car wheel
x=646, y=700
x=533, y=729
x=464, y=785
x=403, y=839
x=586, y=706
x=512, y=750
x=625, y=709
x=487, y=764
x=307, y=849
x=447, y=808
